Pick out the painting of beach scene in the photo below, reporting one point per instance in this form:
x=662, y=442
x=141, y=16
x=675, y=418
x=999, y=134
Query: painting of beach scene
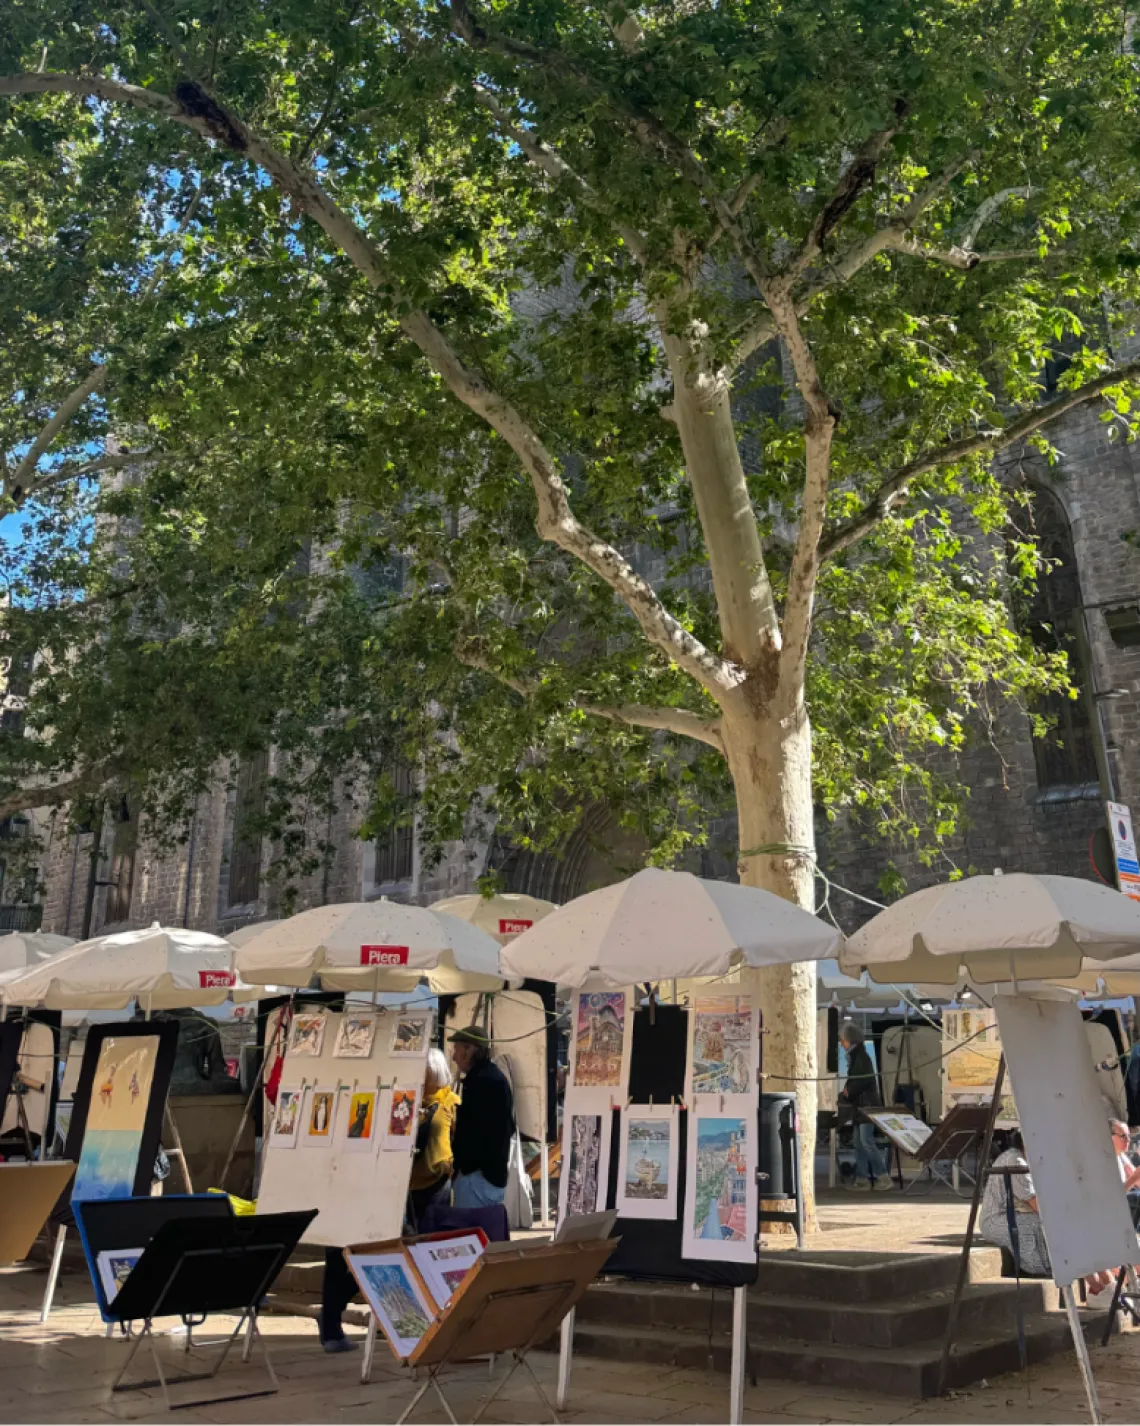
x=723, y=1047
x=720, y=1201
x=116, y=1116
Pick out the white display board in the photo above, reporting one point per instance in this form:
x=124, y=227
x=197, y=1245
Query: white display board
x=1064, y=1125
x=518, y=1046
x=360, y=1195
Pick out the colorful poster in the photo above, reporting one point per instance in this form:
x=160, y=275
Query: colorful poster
x=320, y=1111
x=286, y=1119
x=354, y=1037
x=443, y=1263
x=723, y=1045
x=307, y=1036
x=971, y=1049
x=411, y=1036
x=720, y=1193
x=601, y=1040
x=584, y=1181
x=647, y=1169
x=402, y=1118
x=904, y=1130
x=356, y=1121
x=120, y=1096
x=397, y=1300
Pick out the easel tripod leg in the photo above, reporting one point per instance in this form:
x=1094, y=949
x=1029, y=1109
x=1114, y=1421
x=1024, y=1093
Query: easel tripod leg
x=554, y=1416
x=1082, y=1350
x=565, y=1359
x=369, y=1351
x=53, y=1272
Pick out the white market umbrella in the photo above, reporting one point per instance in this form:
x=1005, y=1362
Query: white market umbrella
x=373, y=945
x=996, y=929
x=163, y=967
x=21, y=949
x=504, y=916
x=667, y=925
x=244, y=934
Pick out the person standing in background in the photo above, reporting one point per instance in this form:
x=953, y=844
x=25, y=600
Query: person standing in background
x=432, y=1165
x=861, y=1090
x=484, y=1123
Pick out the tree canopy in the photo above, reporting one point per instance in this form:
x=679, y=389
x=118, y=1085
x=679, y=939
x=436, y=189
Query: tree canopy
x=522, y=386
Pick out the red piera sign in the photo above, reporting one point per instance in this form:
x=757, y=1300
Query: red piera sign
x=383, y=955
x=216, y=979
x=513, y=928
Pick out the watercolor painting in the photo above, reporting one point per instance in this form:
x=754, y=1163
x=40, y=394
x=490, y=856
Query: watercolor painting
x=410, y=1036
x=359, y=1121
x=286, y=1118
x=723, y=1050
x=114, y=1267
x=319, y=1121
x=720, y=1191
x=307, y=1037
x=647, y=1164
x=354, y=1037
x=395, y=1297
x=444, y=1264
x=402, y=1119
x=583, y=1175
x=599, y=1039
x=116, y=1116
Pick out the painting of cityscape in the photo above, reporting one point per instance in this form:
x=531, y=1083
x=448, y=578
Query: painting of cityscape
x=722, y=1045
x=395, y=1297
x=585, y=1144
x=599, y=1040
x=718, y=1195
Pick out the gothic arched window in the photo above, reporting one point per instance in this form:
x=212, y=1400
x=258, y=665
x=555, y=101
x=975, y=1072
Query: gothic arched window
x=1066, y=754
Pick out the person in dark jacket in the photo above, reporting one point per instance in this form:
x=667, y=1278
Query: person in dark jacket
x=861, y=1090
x=484, y=1123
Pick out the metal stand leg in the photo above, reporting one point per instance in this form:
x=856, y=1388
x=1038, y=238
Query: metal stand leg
x=1082, y=1349
x=565, y=1359
x=53, y=1272
x=369, y=1351
x=832, y=1156
x=250, y=1333
x=544, y=1189
x=739, y=1350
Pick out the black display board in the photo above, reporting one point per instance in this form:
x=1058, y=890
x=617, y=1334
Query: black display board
x=26, y=1016
x=11, y=1033
x=114, y=1224
x=651, y=1247
x=167, y=1037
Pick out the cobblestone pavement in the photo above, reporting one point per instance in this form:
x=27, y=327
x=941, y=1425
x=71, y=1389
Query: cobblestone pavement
x=62, y=1371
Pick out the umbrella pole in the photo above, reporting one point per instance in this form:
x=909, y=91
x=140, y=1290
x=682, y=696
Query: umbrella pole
x=975, y=1205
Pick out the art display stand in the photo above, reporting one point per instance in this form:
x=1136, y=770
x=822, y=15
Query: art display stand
x=652, y=1249
x=359, y=1195
x=509, y=1302
x=196, y=1264
x=28, y=1193
x=966, y=1127
x=146, y=1127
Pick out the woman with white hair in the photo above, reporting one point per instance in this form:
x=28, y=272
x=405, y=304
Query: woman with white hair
x=432, y=1165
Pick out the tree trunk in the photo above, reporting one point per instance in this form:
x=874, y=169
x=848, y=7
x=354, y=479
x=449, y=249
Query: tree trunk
x=770, y=761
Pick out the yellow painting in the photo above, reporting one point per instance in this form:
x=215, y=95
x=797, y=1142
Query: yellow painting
x=116, y=1116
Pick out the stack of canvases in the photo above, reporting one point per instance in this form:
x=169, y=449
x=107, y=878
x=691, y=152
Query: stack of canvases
x=722, y=1100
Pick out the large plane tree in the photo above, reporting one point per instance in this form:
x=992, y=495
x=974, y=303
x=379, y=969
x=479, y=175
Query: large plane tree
x=670, y=345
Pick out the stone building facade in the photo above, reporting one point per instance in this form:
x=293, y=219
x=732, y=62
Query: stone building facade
x=1032, y=805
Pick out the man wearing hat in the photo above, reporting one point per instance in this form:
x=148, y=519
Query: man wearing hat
x=484, y=1123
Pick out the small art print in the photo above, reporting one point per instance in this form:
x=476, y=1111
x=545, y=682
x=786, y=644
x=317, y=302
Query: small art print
x=355, y=1036
x=401, y=1310
x=319, y=1118
x=443, y=1264
x=115, y=1266
x=307, y=1036
x=287, y=1118
x=647, y=1179
x=586, y=1159
x=411, y=1036
x=599, y=1040
x=401, y=1130
x=359, y=1121
x=723, y=1045
x=720, y=1206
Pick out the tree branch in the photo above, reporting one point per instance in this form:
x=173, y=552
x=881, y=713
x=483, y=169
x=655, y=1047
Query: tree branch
x=986, y=211
x=54, y=794
x=195, y=109
x=60, y=475
x=679, y=721
x=989, y=443
x=20, y=479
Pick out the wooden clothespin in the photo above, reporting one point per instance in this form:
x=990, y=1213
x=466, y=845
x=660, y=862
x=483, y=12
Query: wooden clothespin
x=651, y=1101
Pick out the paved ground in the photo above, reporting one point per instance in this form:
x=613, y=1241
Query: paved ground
x=62, y=1372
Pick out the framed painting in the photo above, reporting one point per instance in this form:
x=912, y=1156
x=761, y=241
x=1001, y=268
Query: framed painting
x=397, y=1300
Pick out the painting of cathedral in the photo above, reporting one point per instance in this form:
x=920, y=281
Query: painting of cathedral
x=600, y=1039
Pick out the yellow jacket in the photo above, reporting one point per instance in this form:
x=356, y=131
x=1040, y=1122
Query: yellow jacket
x=433, y=1161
